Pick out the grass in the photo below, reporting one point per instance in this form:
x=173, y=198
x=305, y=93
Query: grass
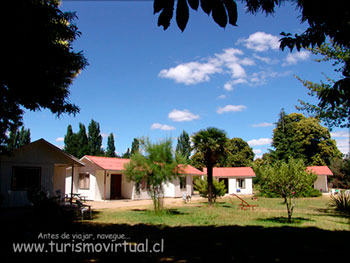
x=271, y=212
x=193, y=233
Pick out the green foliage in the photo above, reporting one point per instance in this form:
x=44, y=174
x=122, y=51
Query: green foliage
x=135, y=146
x=238, y=154
x=110, y=146
x=303, y=138
x=18, y=138
x=287, y=180
x=334, y=103
x=153, y=169
x=341, y=202
x=183, y=146
x=202, y=187
x=209, y=145
x=83, y=148
x=94, y=139
x=341, y=172
x=38, y=60
x=71, y=143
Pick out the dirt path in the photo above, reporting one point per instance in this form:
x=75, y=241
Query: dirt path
x=125, y=203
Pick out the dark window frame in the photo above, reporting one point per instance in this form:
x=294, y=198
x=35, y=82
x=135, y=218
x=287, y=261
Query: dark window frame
x=24, y=186
x=85, y=186
x=183, y=182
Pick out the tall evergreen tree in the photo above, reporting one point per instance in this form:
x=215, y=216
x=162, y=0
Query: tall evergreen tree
x=135, y=146
x=183, y=146
x=71, y=143
x=83, y=144
x=94, y=138
x=126, y=154
x=110, y=146
x=18, y=138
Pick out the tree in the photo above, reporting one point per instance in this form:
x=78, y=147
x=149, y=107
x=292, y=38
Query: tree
x=287, y=180
x=341, y=172
x=183, y=146
x=238, y=154
x=202, y=187
x=18, y=138
x=38, y=61
x=126, y=154
x=94, y=138
x=135, y=146
x=152, y=170
x=110, y=146
x=210, y=144
x=333, y=99
x=303, y=138
x=83, y=144
x=71, y=142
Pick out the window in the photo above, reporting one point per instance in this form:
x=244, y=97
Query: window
x=241, y=183
x=183, y=182
x=26, y=178
x=84, y=181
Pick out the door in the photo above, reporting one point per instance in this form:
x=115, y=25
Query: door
x=225, y=182
x=116, y=186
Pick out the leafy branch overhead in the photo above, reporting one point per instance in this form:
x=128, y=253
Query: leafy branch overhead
x=222, y=11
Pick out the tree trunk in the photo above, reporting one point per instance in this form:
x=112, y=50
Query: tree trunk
x=210, y=184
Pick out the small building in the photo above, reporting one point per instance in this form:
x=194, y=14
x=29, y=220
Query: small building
x=322, y=172
x=103, y=178
x=238, y=180
x=36, y=166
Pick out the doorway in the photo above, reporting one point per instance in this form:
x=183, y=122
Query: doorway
x=116, y=186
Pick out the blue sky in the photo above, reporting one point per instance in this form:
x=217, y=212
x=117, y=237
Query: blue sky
x=143, y=81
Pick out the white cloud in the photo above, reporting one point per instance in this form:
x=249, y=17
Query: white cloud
x=180, y=116
x=261, y=41
x=343, y=145
x=104, y=135
x=59, y=139
x=267, y=60
x=229, y=108
x=257, y=151
x=341, y=134
x=164, y=127
x=263, y=124
x=294, y=58
x=228, y=86
x=192, y=72
x=222, y=96
x=259, y=142
x=261, y=77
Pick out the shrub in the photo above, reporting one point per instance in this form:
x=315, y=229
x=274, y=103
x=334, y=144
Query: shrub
x=202, y=187
x=341, y=202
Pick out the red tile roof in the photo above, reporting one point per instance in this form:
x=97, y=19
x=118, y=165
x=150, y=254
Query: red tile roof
x=117, y=164
x=319, y=170
x=232, y=172
x=108, y=163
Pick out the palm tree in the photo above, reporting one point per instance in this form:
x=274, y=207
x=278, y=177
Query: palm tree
x=210, y=143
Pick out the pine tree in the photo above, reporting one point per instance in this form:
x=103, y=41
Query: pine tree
x=183, y=146
x=127, y=154
x=135, y=146
x=71, y=144
x=83, y=147
x=110, y=146
x=18, y=138
x=94, y=138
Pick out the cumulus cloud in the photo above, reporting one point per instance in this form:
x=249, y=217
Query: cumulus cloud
x=180, y=116
x=259, y=142
x=294, y=58
x=59, y=139
x=261, y=41
x=164, y=127
x=343, y=145
x=231, y=108
x=340, y=134
x=263, y=124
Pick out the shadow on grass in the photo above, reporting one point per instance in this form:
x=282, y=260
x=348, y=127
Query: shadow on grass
x=160, y=213
x=181, y=244
x=284, y=220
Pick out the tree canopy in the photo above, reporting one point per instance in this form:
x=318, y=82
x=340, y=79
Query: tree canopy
x=18, y=138
x=38, y=60
x=303, y=138
x=110, y=146
x=209, y=144
x=238, y=154
x=183, y=146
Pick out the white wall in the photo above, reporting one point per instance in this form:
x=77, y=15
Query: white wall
x=232, y=185
x=321, y=183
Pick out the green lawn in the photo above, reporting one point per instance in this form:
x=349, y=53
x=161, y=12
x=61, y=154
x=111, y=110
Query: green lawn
x=271, y=212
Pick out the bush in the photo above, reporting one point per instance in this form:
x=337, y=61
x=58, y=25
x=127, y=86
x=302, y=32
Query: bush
x=341, y=202
x=202, y=187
